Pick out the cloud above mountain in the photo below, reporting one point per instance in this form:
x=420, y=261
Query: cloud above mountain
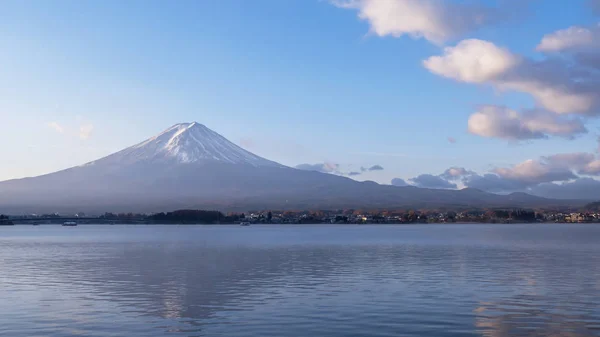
x=472, y=61
x=531, y=173
x=557, y=85
x=572, y=39
x=535, y=172
x=434, y=20
x=326, y=167
x=455, y=173
x=562, y=81
x=546, y=176
x=334, y=168
x=565, y=84
x=504, y=123
x=578, y=44
x=431, y=181
x=85, y=131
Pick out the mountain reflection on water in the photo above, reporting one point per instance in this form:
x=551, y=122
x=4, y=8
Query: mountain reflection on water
x=300, y=281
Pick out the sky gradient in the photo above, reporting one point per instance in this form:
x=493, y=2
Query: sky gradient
x=413, y=87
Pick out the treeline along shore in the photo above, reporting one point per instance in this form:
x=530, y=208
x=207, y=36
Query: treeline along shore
x=5, y=220
x=588, y=214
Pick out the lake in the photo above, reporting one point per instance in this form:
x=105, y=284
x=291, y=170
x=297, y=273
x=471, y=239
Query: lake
x=311, y=280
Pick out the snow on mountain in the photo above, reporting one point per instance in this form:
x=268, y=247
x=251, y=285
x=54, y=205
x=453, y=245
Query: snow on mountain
x=187, y=143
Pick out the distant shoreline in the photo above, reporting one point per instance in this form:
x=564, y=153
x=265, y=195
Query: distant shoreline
x=306, y=224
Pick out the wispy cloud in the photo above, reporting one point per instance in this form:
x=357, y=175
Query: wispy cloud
x=85, y=131
x=501, y=122
x=437, y=21
x=564, y=84
x=57, y=127
x=337, y=169
x=326, y=167
x=376, y=168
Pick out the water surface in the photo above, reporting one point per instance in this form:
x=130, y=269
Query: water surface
x=428, y=280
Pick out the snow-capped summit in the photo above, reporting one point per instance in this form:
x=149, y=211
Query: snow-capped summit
x=187, y=143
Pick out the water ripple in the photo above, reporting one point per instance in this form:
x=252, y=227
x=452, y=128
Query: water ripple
x=300, y=281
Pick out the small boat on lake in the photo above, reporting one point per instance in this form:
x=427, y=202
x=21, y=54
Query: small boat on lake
x=245, y=223
x=70, y=223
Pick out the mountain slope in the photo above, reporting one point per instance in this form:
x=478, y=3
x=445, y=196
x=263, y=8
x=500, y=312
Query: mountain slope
x=191, y=166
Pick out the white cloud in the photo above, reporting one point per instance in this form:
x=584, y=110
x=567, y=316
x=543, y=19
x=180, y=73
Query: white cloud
x=534, y=172
x=472, y=61
x=592, y=168
x=565, y=85
x=555, y=84
x=580, y=188
x=545, y=176
x=57, y=127
x=434, y=20
x=559, y=167
x=85, y=131
x=376, y=168
x=454, y=173
x=501, y=122
x=572, y=38
x=580, y=45
x=563, y=97
x=574, y=161
x=333, y=168
x=326, y=167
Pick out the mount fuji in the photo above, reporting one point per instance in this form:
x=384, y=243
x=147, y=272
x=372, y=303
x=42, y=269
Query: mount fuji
x=190, y=166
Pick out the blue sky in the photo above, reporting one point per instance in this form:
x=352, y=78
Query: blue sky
x=297, y=81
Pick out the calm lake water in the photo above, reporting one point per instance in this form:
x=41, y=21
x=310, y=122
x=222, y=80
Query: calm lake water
x=429, y=280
